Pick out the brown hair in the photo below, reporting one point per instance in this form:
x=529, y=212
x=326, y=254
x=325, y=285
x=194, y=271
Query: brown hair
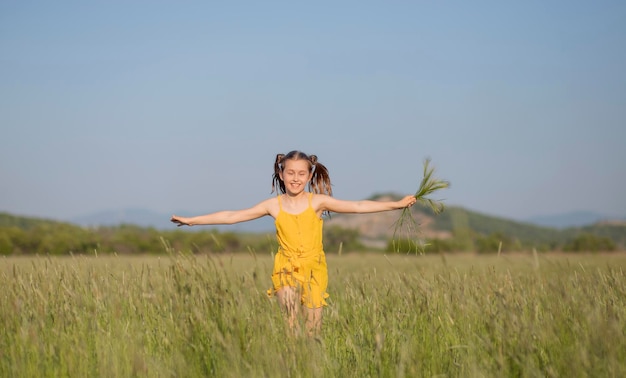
x=320, y=181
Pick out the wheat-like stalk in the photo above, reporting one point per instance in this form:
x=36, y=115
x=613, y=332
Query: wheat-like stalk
x=407, y=225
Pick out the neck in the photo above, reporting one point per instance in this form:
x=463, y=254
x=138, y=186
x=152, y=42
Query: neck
x=294, y=197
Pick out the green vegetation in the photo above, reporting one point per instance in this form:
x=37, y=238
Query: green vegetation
x=187, y=315
x=481, y=226
x=487, y=234
x=469, y=232
x=337, y=238
x=475, y=232
x=589, y=242
x=20, y=236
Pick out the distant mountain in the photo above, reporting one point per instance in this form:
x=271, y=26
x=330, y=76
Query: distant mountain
x=375, y=229
x=26, y=222
x=453, y=220
x=571, y=219
x=459, y=221
x=372, y=225
x=160, y=221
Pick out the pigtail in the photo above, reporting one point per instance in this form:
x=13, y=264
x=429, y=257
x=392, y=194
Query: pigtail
x=320, y=181
x=277, y=183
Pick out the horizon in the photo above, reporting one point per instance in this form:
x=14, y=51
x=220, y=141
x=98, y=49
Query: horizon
x=144, y=217
x=164, y=107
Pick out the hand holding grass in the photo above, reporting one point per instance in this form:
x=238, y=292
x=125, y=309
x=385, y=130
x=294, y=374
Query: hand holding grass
x=407, y=201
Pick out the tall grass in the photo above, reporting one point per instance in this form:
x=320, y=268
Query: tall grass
x=393, y=315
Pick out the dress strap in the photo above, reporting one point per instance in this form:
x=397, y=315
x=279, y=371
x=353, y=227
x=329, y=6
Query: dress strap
x=280, y=204
x=311, y=199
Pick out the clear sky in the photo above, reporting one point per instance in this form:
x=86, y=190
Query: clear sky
x=183, y=106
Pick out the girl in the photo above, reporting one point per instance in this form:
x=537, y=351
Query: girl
x=300, y=264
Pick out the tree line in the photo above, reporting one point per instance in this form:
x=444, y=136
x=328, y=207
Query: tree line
x=20, y=237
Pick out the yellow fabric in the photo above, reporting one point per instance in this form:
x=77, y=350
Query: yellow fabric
x=300, y=261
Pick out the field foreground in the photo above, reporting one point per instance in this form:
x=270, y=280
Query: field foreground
x=388, y=315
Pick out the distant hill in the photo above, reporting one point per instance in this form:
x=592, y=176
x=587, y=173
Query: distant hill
x=375, y=228
x=26, y=223
x=373, y=225
x=453, y=220
x=459, y=221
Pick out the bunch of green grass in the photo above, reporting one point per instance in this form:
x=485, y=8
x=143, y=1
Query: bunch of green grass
x=407, y=226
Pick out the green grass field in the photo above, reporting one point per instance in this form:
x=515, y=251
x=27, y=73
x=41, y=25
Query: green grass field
x=388, y=316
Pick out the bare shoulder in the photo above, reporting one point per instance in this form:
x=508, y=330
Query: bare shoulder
x=319, y=199
x=270, y=205
x=324, y=202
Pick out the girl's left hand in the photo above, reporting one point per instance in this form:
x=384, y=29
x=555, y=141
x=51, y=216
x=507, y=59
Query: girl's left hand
x=408, y=201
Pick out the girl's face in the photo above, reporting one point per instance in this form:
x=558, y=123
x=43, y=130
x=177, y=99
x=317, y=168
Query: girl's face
x=295, y=175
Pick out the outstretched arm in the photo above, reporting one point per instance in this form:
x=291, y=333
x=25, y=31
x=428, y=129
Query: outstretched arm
x=328, y=203
x=225, y=217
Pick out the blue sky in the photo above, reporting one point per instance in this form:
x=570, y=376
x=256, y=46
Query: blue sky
x=182, y=106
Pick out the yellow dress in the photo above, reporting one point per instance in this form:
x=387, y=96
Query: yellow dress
x=300, y=261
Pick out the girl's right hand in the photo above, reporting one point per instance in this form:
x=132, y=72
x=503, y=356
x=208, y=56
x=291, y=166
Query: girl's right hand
x=180, y=221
